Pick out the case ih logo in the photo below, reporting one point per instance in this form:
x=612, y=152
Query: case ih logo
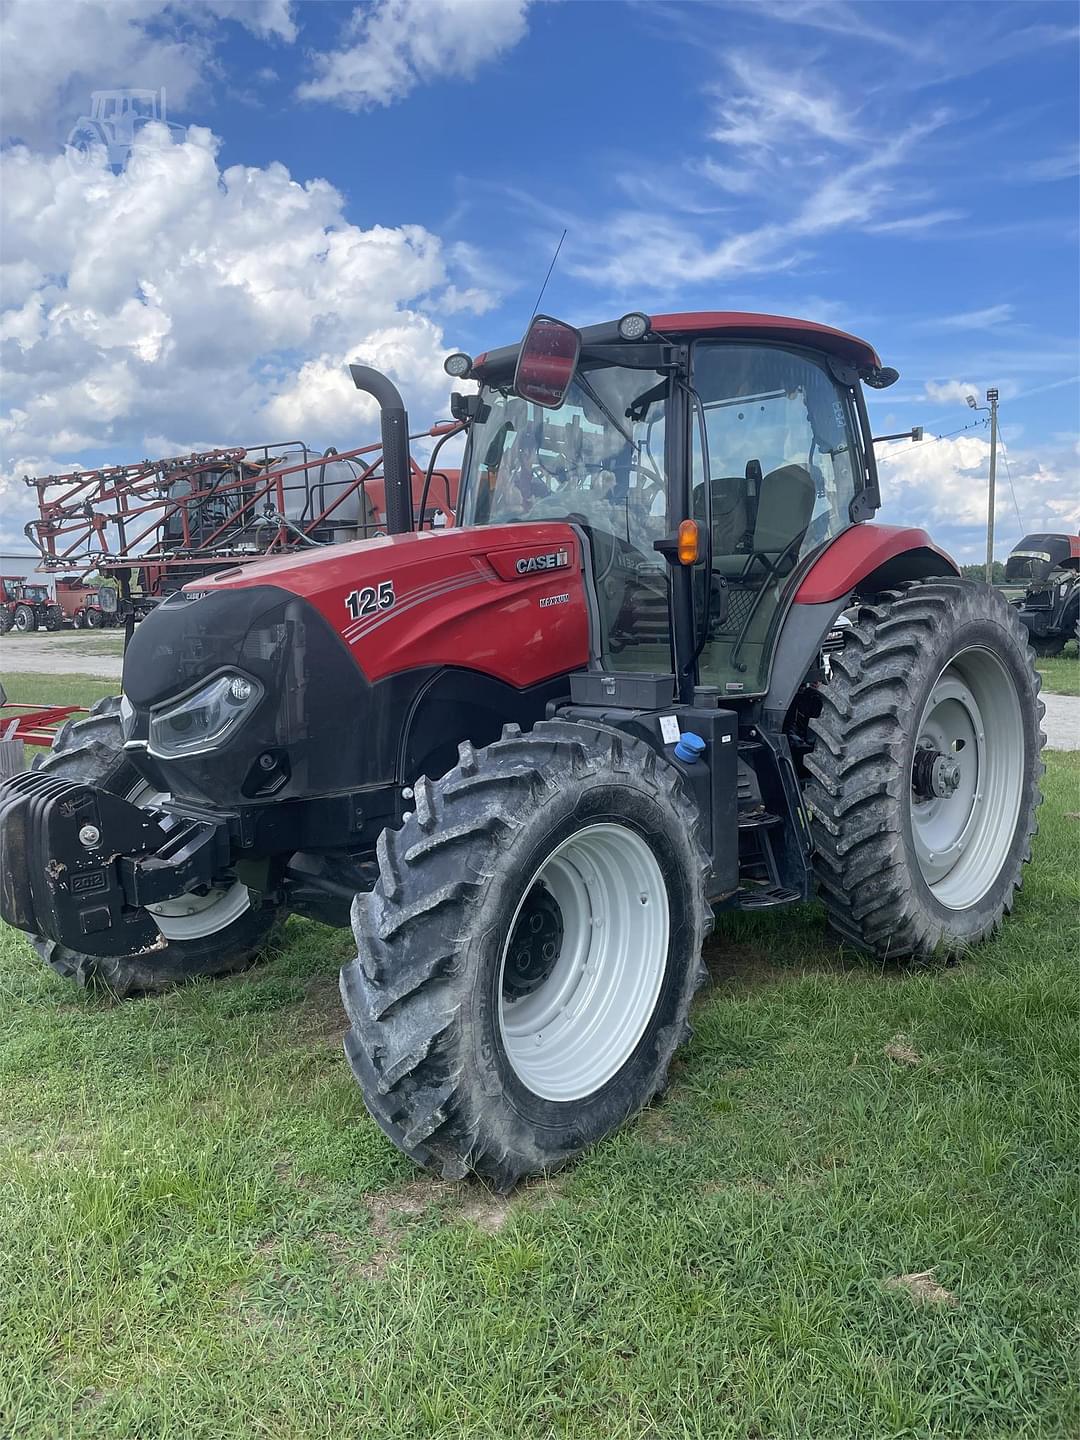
x=555, y=560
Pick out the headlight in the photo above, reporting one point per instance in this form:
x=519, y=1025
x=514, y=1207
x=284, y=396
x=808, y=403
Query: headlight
x=203, y=720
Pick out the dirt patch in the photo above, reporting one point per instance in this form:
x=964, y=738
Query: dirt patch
x=923, y=1288
x=323, y=1015
x=901, y=1052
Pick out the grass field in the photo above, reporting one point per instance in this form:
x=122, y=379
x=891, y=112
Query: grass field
x=205, y=1237
x=1061, y=673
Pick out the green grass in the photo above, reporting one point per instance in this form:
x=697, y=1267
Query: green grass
x=1061, y=673
x=29, y=688
x=205, y=1237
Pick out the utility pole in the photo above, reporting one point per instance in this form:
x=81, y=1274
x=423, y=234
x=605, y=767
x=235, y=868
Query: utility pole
x=992, y=397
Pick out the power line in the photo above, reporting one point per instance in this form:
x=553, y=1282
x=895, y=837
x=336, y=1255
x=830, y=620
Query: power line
x=1012, y=492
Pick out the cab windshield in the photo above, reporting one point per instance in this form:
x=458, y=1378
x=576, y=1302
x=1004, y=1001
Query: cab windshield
x=597, y=460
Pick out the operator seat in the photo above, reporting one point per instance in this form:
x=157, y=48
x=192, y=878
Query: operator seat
x=785, y=506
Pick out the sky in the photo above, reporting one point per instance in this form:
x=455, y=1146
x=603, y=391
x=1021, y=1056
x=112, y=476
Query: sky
x=388, y=182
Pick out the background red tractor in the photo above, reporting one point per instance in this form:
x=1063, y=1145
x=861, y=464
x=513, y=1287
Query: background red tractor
x=665, y=665
x=87, y=606
x=26, y=605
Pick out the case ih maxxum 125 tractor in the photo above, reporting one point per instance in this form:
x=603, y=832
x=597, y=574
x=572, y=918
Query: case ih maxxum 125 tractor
x=665, y=665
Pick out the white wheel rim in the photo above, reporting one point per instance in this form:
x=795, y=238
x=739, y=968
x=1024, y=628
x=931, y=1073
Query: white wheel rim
x=192, y=917
x=962, y=837
x=569, y=1036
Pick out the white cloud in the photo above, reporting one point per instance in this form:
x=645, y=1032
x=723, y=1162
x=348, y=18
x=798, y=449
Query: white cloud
x=213, y=307
x=941, y=485
x=771, y=107
x=394, y=45
x=54, y=53
x=978, y=319
x=949, y=392
x=915, y=224
x=270, y=19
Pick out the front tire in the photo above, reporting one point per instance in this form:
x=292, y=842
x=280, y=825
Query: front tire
x=529, y=952
x=24, y=621
x=94, y=619
x=92, y=750
x=925, y=770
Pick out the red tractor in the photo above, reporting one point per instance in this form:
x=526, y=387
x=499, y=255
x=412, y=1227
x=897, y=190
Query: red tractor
x=665, y=665
x=88, y=607
x=26, y=606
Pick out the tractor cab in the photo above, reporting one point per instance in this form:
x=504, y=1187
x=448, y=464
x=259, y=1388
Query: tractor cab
x=748, y=427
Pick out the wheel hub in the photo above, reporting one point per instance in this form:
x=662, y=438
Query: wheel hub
x=535, y=945
x=934, y=774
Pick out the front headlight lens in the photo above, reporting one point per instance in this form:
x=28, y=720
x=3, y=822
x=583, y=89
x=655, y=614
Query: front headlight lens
x=204, y=719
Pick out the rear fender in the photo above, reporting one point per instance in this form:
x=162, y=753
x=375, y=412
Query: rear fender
x=864, y=560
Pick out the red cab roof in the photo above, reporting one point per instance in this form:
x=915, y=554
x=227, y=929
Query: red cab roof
x=747, y=325
x=735, y=324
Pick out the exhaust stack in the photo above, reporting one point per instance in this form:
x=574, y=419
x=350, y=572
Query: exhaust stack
x=395, y=446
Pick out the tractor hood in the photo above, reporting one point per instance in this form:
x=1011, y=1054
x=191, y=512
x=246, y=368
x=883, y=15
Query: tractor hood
x=301, y=676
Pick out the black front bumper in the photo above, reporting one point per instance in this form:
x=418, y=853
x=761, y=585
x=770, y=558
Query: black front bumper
x=79, y=865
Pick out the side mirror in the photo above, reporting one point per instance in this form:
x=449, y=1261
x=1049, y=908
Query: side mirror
x=546, y=362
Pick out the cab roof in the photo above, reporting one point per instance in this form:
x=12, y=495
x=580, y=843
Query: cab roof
x=730, y=324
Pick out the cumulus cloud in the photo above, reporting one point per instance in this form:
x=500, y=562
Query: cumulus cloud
x=941, y=485
x=210, y=306
x=55, y=54
x=949, y=392
x=391, y=46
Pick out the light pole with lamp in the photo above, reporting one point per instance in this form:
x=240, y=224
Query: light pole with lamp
x=992, y=397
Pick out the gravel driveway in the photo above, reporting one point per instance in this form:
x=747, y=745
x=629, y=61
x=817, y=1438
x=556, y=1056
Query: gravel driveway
x=68, y=653
x=63, y=652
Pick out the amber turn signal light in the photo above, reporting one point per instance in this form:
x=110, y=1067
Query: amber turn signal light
x=687, y=550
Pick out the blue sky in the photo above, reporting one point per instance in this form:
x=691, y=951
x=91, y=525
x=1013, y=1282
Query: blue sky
x=389, y=181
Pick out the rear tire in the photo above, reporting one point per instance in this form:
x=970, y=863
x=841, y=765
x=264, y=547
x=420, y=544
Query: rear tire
x=529, y=952
x=92, y=750
x=5, y=620
x=24, y=621
x=925, y=770
x=94, y=619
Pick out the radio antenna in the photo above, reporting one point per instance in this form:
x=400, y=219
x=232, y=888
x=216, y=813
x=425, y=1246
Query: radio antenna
x=547, y=277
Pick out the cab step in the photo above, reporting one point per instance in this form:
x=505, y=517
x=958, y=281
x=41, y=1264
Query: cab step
x=765, y=898
x=757, y=819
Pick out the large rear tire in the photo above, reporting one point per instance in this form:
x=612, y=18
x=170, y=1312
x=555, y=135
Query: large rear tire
x=925, y=770
x=213, y=935
x=529, y=952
